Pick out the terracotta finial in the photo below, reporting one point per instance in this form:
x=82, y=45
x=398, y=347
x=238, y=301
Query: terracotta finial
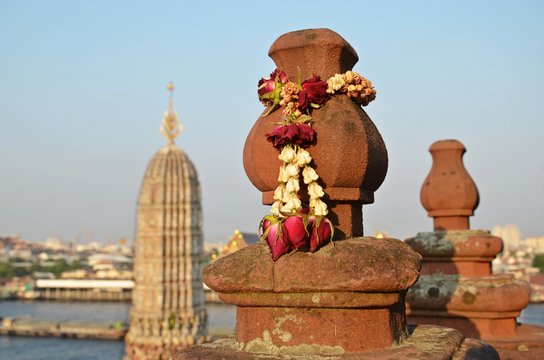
x=449, y=194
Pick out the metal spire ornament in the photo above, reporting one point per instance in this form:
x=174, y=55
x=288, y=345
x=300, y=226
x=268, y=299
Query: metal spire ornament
x=171, y=126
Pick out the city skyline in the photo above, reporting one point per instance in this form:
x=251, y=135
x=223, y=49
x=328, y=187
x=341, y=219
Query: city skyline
x=84, y=88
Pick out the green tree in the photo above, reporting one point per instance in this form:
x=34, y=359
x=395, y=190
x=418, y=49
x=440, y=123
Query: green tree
x=538, y=262
x=6, y=270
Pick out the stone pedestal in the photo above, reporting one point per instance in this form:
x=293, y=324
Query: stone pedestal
x=337, y=299
x=457, y=288
x=346, y=301
x=424, y=342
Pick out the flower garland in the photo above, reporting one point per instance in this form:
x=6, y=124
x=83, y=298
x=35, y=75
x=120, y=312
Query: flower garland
x=292, y=224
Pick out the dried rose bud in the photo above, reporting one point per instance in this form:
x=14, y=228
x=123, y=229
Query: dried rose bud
x=321, y=232
x=295, y=232
x=274, y=237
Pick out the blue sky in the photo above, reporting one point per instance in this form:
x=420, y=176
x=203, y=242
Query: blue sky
x=82, y=92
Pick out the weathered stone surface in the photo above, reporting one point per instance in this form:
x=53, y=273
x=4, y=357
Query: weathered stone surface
x=528, y=344
x=348, y=330
x=498, y=293
x=358, y=265
x=250, y=269
x=456, y=243
x=316, y=299
x=426, y=342
x=456, y=252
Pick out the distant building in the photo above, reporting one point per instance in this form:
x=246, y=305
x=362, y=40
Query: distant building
x=510, y=235
x=55, y=244
x=168, y=298
x=535, y=245
x=239, y=240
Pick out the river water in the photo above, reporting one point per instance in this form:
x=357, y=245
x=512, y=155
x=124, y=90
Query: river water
x=220, y=317
x=29, y=348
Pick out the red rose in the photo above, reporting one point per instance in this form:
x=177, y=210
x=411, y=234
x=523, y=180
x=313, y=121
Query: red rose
x=307, y=135
x=302, y=135
x=269, y=89
x=313, y=91
x=277, y=137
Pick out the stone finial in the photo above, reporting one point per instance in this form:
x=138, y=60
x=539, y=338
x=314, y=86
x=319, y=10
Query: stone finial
x=350, y=154
x=449, y=194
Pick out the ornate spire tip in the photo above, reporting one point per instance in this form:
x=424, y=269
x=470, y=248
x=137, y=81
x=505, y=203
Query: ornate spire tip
x=171, y=126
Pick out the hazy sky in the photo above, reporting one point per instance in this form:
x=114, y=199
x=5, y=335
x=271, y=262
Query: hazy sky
x=82, y=91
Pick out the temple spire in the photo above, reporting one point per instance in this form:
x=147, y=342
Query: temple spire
x=171, y=126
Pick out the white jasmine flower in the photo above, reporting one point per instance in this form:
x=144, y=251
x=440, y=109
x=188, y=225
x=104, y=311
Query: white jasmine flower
x=315, y=190
x=292, y=170
x=320, y=208
x=275, y=210
x=278, y=193
x=309, y=175
x=292, y=185
x=335, y=83
x=303, y=157
x=292, y=206
x=283, y=176
x=287, y=154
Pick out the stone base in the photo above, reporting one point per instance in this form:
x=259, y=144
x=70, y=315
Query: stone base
x=425, y=342
x=352, y=330
x=456, y=252
x=349, y=294
x=479, y=307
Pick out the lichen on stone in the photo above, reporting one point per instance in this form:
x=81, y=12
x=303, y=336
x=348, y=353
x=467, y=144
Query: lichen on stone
x=265, y=345
x=443, y=242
